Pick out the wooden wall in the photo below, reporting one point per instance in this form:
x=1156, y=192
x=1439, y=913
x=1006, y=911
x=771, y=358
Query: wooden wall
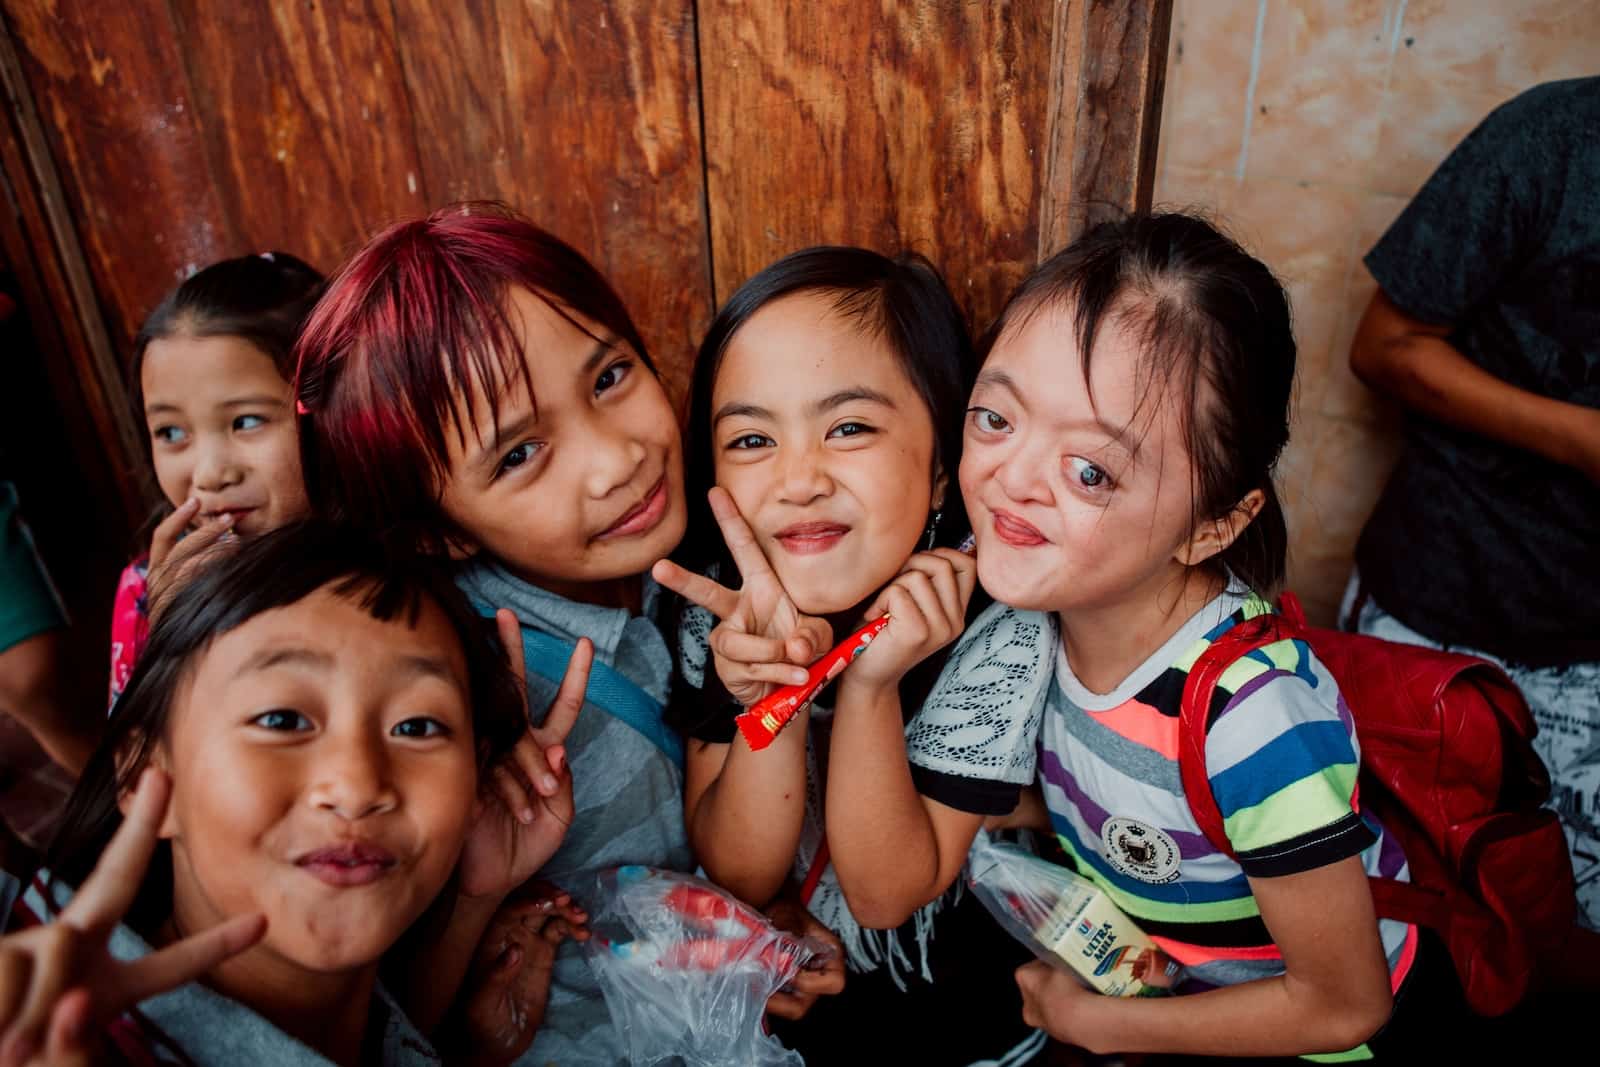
x=682, y=144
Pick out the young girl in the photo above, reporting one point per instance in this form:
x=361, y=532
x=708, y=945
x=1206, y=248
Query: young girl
x=288, y=782
x=210, y=382
x=826, y=406
x=1117, y=469
x=471, y=384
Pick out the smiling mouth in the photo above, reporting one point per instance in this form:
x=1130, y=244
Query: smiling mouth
x=1017, y=533
x=348, y=865
x=642, y=517
x=811, y=538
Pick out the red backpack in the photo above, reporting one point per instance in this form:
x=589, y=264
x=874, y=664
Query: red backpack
x=1448, y=767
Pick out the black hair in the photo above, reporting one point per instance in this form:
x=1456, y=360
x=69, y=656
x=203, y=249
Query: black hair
x=905, y=301
x=1209, y=318
x=279, y=568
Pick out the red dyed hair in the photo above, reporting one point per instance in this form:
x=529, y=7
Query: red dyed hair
x=385, y=358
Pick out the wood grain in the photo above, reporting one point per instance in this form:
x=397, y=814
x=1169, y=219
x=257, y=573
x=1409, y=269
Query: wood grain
x=889, y=125
x=305, y=121
x=586, y=118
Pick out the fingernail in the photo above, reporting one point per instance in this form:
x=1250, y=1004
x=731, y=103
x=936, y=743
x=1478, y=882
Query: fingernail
x=547, y=782
x=525, y=816
x=559, y=759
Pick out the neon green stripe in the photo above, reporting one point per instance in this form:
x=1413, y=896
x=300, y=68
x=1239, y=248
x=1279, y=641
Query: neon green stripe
x=1314, y=801
x=1159, y=911
x=1360, y=1052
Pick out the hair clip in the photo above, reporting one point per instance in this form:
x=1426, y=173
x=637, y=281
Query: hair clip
x=300, y=407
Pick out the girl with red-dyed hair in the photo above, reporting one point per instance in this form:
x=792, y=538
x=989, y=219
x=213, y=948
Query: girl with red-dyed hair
x=472, y=385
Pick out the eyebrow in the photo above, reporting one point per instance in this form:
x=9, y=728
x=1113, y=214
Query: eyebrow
x=1001, y=380
x=307, y=658
x=253, y=400
x=818, y=407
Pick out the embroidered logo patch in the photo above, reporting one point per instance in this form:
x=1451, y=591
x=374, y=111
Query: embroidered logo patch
x=1140, y=850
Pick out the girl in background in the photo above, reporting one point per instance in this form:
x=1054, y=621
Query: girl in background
x=210, y=381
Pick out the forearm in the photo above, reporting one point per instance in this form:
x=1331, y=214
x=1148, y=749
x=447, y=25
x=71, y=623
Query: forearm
x=1427, y=374
x=437, y=961
x=881, y=835
x=745, y=826
x=1270, y=1017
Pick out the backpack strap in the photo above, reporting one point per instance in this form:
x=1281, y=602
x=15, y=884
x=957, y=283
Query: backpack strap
x=1198, y=689
x=609, y=689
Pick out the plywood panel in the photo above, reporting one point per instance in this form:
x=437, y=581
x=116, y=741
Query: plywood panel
x=585, y=117
x=305, y=121
x=885, y=124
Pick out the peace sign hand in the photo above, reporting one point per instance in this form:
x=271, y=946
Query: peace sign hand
x=58, y=982
x=764, y=641
x=528, y=807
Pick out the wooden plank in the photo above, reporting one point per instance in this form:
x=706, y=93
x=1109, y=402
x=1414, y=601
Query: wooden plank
x=305, y=121
x=586, y=118
x=1105, y=113
x=53, y=275
x=914, y=125
x=108, y=79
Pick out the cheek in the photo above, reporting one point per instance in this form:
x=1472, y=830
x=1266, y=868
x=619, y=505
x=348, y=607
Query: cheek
x=442, y=795
x=283, y=476
x=172, y=475
x=224, y=800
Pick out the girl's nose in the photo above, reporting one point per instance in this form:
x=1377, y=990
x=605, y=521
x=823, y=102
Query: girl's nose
x=351, y=778
x=613, y=460
x=1022, y=473
x=217, y=468
x=803, y=476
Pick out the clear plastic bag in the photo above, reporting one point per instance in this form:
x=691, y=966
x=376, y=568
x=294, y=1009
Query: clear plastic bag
x=1067, y=921
x=686, y=969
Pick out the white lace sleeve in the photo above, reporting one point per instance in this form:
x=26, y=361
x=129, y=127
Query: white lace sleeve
x=982, y=718
x=694, y=647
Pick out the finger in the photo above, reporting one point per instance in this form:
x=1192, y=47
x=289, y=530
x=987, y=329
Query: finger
x=942, y=576
x=909, y=626
x=534, y=763
x=185, y=960
x=736, y=533
x=711, y=595
x=514, y=794
x=920, y=588
x=965, y=566
x=51, y=978
x=106, y=894
x=67, y=1044
x=16, y=967
x=789, y=1006
x=746, y=648
x=812, y=637
x=777, y=674
x=170, y=528
x=510, y=633
x=824, y=982
x=564, y=709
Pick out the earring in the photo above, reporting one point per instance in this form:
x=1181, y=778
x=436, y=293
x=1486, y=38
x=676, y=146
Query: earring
x=933, y=530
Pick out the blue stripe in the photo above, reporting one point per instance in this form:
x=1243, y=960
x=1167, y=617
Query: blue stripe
x=1299, y=752
x=1175, y=892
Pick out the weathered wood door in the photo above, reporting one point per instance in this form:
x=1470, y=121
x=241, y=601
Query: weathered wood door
x=682, y=144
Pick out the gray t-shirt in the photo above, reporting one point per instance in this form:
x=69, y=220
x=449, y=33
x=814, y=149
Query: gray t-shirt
x=628, y=792
x=1477, y=543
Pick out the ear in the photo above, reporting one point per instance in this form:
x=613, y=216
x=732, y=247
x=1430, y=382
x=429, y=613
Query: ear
x=1211, y=538
x=941, y=482
x=158, y=758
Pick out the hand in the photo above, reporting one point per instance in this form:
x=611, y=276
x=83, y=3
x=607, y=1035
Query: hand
x=528, y=807
x=787, y=914
x=764, y=641
x=1057, y=1003
x=59, y=983
x=508, y=986
x=174, y=557
x=1586, y=444
x=927, y=605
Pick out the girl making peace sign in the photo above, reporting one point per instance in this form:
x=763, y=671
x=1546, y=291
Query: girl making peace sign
x=307, y=730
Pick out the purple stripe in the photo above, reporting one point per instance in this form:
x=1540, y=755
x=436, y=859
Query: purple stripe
x=1346, y=717
x=1191, y=846
x=1249, y=687
x=1391, y=860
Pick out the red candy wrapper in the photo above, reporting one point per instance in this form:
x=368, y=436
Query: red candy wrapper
x=767, y=718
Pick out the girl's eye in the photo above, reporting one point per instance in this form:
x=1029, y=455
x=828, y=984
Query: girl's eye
x=420, y=727
x=169, y=435
x=248, y=422
x=751, y=440
x=992, y=421
x=850, y=429
x=612, y=376
x=1088, y=475
x=282, y=720
x=515, y=458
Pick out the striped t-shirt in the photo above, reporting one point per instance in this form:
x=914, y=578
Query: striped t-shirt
x=1282, y=757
